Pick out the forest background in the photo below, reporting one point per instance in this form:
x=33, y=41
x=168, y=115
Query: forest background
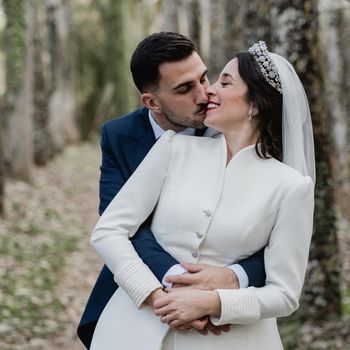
x=64, y=69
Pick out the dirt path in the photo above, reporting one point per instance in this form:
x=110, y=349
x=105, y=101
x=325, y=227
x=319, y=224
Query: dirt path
x=67, y=192
x=82, y=266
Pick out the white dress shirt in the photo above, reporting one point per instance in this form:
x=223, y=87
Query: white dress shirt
x=177, y=269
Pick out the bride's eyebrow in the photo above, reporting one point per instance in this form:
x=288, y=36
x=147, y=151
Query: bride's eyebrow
x=227, y=75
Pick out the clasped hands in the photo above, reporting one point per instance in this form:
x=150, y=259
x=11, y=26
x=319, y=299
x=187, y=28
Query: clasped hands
x=193, y=298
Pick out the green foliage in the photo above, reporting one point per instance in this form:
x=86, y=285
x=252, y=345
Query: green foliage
x=289, y=328
x=346, y=303
x=117, y=71
x=14, y=42
x=27, y=298
x=102, y=62
x=90, y=65
x=1, y=41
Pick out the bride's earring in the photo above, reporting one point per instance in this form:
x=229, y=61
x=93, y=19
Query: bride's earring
x=250, y=114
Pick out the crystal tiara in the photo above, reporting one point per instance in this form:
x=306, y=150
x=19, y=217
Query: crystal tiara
x=267, y=67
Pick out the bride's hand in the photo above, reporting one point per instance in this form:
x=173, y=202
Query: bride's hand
x=179, y=306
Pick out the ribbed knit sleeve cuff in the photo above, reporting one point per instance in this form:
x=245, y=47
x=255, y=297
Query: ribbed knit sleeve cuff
x=138, y=281
x=238, y=306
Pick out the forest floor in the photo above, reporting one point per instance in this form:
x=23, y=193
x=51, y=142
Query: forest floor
x=47, y=267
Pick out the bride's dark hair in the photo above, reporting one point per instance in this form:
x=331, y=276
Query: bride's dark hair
x=268, y=101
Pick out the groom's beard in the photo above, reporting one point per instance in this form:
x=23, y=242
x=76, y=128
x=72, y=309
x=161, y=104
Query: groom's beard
x=195, y=120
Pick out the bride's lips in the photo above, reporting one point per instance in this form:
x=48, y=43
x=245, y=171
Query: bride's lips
x=212, y=105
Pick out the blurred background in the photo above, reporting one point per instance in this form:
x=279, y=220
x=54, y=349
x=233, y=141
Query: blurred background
x=64, y=69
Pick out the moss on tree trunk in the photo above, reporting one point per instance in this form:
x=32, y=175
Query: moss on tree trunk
x=295, y=35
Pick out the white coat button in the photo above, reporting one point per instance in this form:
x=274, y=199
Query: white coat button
x=199, y=235
x=195, y=254
x=207, y=213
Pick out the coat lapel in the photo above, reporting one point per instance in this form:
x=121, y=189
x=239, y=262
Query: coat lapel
x=138, y=142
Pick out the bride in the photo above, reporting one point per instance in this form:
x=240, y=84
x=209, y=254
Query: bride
x=259, y=179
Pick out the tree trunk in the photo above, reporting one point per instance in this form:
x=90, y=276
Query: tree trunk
x=194, y=30
x=18, y=105
x=2, y=168
x=226, y=33
x=257, y=22
x=62, y=102
x=169, y=16
x=217, y=40
x=204, y=30
x=335, y=32
x=295, y=36
x=43, y=146
x=117, y=76
x=234, y=22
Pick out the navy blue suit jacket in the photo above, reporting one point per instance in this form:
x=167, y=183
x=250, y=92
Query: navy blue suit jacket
x=125, y=142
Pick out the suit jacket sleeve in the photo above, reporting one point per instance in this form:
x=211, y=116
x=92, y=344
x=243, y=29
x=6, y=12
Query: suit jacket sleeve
x=286, y=258
x=124, y=215
x=254, y=267
x=112, y=180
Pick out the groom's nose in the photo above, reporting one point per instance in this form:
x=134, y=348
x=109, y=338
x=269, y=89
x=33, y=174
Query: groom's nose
x=201, y=97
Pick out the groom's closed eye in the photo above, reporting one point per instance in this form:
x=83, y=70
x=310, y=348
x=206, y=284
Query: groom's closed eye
x=187, y=86
x=184, y=88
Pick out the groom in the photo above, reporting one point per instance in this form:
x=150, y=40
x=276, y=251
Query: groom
x=172, y=80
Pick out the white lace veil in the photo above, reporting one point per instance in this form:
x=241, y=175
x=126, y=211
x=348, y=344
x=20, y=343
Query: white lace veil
x=297, y=135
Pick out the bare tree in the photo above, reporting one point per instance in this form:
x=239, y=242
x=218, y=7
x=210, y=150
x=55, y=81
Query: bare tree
x=169, y=16
x=335, y=32
x=18, y=100
x=43, y=145
x=257, y=24
x=62, y=102
x=226, y=22
x=115, y=98
x=2, y=169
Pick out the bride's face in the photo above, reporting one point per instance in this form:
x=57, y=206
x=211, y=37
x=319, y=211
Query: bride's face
x=228, y=106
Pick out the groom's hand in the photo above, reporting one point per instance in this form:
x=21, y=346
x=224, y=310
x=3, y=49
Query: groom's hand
x=155, y=295
x=205, y=328
x=200, y=325
x=204, y=276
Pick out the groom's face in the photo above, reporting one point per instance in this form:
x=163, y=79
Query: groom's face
x=181, y=92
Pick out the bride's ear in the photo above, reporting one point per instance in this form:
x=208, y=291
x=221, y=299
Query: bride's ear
x=150, y=101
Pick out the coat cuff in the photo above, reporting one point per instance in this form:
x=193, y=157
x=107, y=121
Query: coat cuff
x=138, y=281
x=238, y=306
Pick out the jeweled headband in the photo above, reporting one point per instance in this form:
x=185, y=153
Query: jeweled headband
x=267, y=67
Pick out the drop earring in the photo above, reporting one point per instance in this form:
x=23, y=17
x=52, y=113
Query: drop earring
x=250, y=114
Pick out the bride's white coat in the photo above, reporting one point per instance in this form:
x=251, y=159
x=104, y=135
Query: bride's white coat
x=210, y=213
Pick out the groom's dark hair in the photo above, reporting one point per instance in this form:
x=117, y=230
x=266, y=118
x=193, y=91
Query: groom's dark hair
x=154, y=50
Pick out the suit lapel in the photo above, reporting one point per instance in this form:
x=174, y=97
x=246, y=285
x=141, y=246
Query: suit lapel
x=138, y=142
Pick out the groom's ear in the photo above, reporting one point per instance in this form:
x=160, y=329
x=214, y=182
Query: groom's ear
x=150, y=101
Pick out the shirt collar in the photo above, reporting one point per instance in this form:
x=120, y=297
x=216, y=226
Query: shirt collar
x=158, y=131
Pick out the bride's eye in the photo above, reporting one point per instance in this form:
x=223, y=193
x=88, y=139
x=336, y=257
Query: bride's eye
x=223, y=84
